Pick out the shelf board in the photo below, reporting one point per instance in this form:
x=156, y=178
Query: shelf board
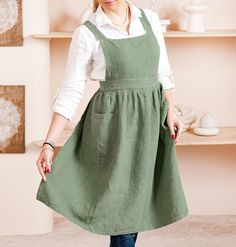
x=53, y=35
x=226, y=136
x=168, y=34
x=209, y=33
x=65, y=135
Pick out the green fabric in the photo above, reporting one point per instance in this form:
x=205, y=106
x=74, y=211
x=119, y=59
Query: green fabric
x=118, y=172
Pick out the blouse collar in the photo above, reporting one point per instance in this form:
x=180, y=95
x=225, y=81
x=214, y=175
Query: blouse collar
x=103, y=19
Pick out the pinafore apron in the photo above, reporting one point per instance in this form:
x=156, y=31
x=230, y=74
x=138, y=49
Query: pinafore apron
x=118, y=173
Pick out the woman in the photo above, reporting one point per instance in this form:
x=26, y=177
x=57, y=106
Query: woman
x=117, y=173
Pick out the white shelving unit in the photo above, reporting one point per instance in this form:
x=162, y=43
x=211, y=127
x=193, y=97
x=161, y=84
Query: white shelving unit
x=227, y=135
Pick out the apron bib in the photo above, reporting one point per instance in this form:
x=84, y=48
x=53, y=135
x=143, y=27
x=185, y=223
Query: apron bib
x=118, y=171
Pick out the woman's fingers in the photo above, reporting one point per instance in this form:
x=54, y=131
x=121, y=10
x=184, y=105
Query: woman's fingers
x=178, y=131
x=171, y=119
x=41, y=166
x=172, y=131
x=48, y=165
x=175, y=125
x=44, y=163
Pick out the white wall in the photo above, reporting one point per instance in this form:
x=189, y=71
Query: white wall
x=19, y=178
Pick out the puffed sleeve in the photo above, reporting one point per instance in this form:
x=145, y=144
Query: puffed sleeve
x=72, y=86
x=165, y=74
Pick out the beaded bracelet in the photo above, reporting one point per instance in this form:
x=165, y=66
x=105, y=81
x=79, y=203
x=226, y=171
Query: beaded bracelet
x=50, y=143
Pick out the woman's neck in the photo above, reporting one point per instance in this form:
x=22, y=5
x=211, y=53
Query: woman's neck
x=119, y=11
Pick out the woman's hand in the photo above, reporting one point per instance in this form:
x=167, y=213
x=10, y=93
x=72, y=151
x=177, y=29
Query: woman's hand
x=44, y=161
x=174, y=124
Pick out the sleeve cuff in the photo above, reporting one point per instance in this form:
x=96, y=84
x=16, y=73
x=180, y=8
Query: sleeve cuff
x=169, y=86
x=62, y=112
x=167, y=81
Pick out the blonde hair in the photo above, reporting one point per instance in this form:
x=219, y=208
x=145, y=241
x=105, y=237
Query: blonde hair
x=95, y=5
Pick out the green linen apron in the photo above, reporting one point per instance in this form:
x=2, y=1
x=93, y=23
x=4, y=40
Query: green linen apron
x=118, y=173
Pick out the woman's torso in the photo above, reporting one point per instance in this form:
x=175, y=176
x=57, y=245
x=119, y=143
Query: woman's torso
x=86, y=59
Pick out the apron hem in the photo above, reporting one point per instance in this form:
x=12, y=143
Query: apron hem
x=86, y=227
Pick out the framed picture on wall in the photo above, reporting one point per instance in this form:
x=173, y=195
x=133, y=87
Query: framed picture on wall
x=12, y=119
x=11, y=23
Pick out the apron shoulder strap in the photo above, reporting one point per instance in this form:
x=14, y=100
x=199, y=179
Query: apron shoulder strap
x=98, y=34
x=146, y=24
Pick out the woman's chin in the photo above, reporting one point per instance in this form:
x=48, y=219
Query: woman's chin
x=110, y=3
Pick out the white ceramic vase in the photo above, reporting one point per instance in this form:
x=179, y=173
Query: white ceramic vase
x=196, y=8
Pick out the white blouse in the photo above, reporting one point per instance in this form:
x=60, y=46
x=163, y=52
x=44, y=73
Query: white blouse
x=86, y=59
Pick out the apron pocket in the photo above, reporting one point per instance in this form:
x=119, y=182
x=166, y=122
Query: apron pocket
x=104, y=131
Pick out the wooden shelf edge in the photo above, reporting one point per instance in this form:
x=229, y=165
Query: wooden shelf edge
x=168, y=34
x=65, y=135
x=208, y=34
x=53, y=35
x=227, y=136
